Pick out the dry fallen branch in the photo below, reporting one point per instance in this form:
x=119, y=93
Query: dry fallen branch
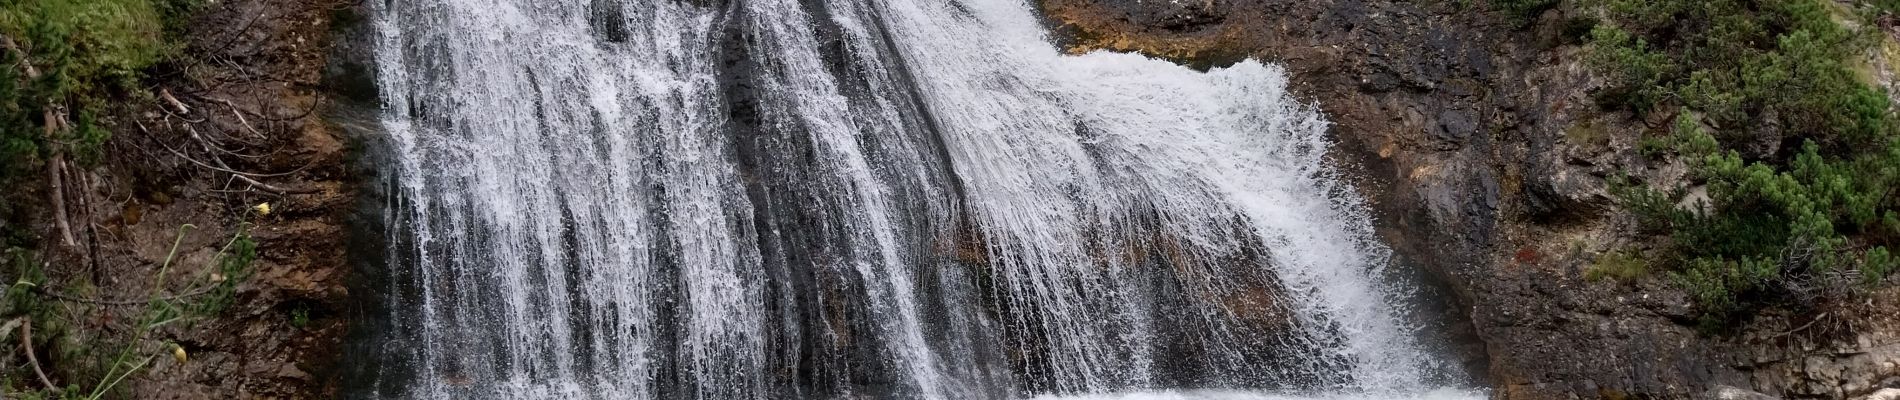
x=314, y=105
x=240, y=117
x=1803, y=327
x=169, y=115
x=227, y=169
x=26, y=342
x=269, y=188
x=247, y=177
x=179, y=105
x=54, y=120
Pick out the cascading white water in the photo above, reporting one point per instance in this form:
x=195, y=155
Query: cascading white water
x=888, y=198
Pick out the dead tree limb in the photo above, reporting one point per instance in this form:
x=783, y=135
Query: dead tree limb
x=179, y=105
x=54, y=120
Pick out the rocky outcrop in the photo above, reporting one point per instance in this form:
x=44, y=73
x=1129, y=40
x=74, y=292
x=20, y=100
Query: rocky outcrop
x=1485, y=158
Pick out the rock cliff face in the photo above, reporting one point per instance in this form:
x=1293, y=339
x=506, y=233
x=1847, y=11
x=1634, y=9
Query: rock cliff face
x=1485, y=158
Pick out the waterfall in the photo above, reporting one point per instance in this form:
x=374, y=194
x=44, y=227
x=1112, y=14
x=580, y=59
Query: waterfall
x=768, y=199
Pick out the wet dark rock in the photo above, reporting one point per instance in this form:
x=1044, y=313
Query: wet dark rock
x=1764, y=138
x=1455, y=126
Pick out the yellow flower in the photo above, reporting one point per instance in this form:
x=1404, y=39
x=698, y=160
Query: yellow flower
x=178, y=352
x=262, y=208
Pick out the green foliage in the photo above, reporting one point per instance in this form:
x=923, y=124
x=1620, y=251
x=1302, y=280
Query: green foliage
x=1723, y=288
x=86, y=53
x=65, y=63
x=27, y=274
x=1523, y=12
x=1619, y=265
x=1823, y=203
x=300, y=317
x=1879, y=264
x=1639, y=70
x=1655, y=210
x=1884, y=6
x=234, y=265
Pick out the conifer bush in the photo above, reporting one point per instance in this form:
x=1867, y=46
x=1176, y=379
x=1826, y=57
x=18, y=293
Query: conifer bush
x=1800, y=157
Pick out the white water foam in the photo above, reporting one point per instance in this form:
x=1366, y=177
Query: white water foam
x=1437, y=394
x=574, y=221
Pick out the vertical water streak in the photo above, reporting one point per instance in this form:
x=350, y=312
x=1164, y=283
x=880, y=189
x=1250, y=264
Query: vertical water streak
x=760, y=199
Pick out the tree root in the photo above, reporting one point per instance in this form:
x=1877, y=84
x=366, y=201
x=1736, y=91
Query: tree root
x=26, y=342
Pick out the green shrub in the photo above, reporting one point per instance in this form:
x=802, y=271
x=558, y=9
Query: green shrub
x=1733, y=71
x=1523, y=12
x=1639, y=71
x=87, y=53
x=234, y=266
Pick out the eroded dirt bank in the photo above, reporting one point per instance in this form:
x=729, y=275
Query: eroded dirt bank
x=229, y=142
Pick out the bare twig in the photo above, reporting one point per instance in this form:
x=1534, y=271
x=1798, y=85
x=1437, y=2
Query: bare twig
x=240, y=33
x=224, y=169
x=240, y=117
x=1804, y=327
x=169, y=115
x=195, y=161
x=240, y=175
x=26, y=342
x=216, y=144
x=179, y=105
x=106, y=302
x=91, y=256
x=56, y=188
x=274, y=189
x=208, y=145
x=314, y=105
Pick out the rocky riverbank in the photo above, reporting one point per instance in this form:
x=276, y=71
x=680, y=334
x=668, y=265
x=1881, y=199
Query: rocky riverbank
x=1486, y=159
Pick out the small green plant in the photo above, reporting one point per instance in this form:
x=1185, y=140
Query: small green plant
x=234, y=266
x=29, y=300
x=1523, y=12
x=158, y=312
x=300, y=317
x=1620, y=265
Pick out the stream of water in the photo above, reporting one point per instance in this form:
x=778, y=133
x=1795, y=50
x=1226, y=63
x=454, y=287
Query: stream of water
x=770, y=199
